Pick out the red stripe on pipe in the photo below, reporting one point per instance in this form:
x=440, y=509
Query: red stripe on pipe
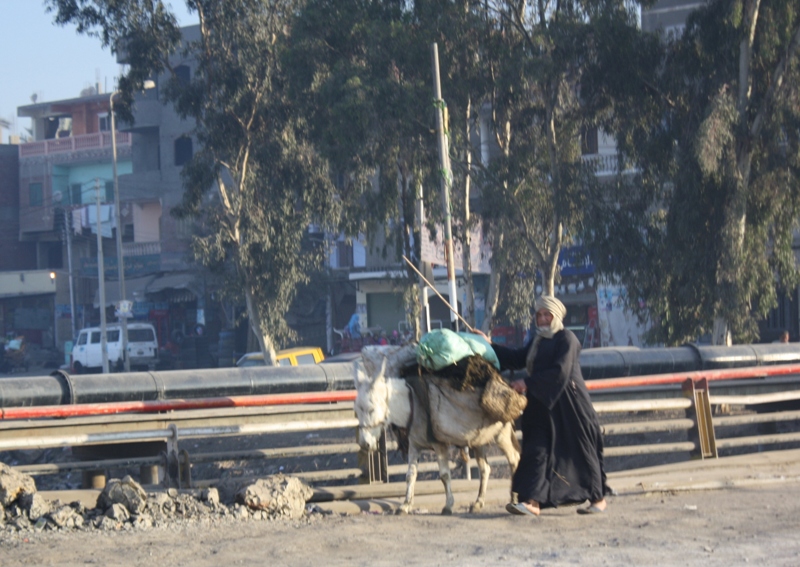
x=172, y=405
x=710, y=375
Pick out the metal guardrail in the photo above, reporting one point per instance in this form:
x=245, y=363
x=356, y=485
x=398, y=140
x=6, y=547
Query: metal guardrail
x=166, y=422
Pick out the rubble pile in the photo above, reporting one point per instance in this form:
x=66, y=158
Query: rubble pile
x=125, y=505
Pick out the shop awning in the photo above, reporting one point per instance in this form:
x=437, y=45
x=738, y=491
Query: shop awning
x=175, y=281
x=132, y=286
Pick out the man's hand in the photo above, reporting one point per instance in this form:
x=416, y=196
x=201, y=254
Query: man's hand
x=519, y=386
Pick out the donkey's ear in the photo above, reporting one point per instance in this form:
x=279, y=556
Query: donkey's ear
x=382, y=373
x=360, y=377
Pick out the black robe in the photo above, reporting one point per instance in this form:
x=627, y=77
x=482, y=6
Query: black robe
x=562, y=445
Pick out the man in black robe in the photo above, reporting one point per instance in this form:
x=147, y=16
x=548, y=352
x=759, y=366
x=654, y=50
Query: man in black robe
x=562, y=445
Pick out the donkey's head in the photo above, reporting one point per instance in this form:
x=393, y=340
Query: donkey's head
x=372, y=406
x=372, y=389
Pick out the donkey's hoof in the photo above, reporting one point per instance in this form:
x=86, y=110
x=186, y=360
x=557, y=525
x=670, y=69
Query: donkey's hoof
x=447, y=511
x=475, y=507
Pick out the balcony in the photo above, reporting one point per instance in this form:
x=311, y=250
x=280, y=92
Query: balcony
x=130, y=249
x=606, y=164
x=96, y=141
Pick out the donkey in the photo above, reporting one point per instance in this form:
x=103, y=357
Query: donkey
x=450, y=417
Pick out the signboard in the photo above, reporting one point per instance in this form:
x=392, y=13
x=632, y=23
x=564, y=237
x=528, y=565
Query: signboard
x=432, y=250
x=134, y=266
x=618, y=326
x=575, y=261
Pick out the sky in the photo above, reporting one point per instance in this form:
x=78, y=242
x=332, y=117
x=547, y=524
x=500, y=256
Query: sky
x=54, y=62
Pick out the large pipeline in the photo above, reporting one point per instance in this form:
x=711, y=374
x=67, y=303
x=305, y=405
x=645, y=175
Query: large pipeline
x=62, y=388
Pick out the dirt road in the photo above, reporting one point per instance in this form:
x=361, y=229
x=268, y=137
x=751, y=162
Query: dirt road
x=755, y=526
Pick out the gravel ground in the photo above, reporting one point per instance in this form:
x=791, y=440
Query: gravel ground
x=752, y=526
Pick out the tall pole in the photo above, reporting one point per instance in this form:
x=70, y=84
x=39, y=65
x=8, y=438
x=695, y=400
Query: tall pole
x=123, y=313
x=101, y=272
x=68, y=229
x=444, y=163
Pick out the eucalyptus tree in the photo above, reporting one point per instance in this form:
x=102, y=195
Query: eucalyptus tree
x=362, y=70
x=703, y=236
x=256, y=183
x=535, y=190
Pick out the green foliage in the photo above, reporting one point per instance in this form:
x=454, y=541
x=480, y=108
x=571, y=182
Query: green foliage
x=703, y=229
x=256, y=183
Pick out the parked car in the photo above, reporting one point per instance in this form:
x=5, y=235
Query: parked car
x=296, y=356
x=142, y=348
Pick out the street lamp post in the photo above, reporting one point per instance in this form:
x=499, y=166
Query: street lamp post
x=120, y=259
x=123, y=313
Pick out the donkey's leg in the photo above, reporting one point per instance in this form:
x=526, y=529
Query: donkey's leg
x=484, y=470
x=507, y=442
x=411, y=479
x=443, y=457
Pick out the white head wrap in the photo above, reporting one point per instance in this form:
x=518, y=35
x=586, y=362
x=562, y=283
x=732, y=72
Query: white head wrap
x=557, y=309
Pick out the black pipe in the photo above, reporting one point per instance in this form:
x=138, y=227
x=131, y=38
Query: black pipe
x=61, y=388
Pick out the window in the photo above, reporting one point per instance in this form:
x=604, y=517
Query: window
x=109, y=191
x=104, y=122
x=82, y=338
x=183, y=150
x=183, y=74
x=306, y=359
x=75, y=194
x=345, y=254
x=140, y=335
x=112, y=336
x=35, y=195
x=95, y=337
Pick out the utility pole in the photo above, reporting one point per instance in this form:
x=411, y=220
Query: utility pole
x=122, y=311
x=68, y=235
x=444, y=162
x=101, y=269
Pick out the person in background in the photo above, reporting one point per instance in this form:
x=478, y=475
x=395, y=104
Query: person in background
x=784, y=338
x=562, y=445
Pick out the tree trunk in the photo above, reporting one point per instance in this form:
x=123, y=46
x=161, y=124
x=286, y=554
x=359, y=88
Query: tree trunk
x=729, y=296
x=466, y=245
x=493, y=295
x=264, y=339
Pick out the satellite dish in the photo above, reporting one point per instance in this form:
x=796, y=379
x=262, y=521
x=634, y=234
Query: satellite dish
x=57, y=196
x=34, y=96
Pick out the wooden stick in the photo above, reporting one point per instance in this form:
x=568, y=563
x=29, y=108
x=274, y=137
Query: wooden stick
x=430, y=285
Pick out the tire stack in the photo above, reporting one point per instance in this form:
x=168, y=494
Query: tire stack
x=225, y=356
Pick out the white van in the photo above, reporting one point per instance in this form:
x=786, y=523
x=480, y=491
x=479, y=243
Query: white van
x=142, y=348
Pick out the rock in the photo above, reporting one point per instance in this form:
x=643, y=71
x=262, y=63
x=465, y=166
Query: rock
x=35, y=504
x=278, y=495
x=118, y=512
x=160, y=500
x=106, y=523
x=210, y=496
x=14, y=484
x=21, y=522
x=127, y=492
x=2, y=515
x=142, y=521
x=227, y=490
x=63, y=517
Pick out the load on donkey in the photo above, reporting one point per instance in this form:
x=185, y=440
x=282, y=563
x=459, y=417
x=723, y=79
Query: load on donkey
x=464, y=404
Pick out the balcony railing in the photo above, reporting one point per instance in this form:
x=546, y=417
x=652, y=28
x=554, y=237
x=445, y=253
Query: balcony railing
x=98, y=140
x=606, y=164
x=140, y=248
